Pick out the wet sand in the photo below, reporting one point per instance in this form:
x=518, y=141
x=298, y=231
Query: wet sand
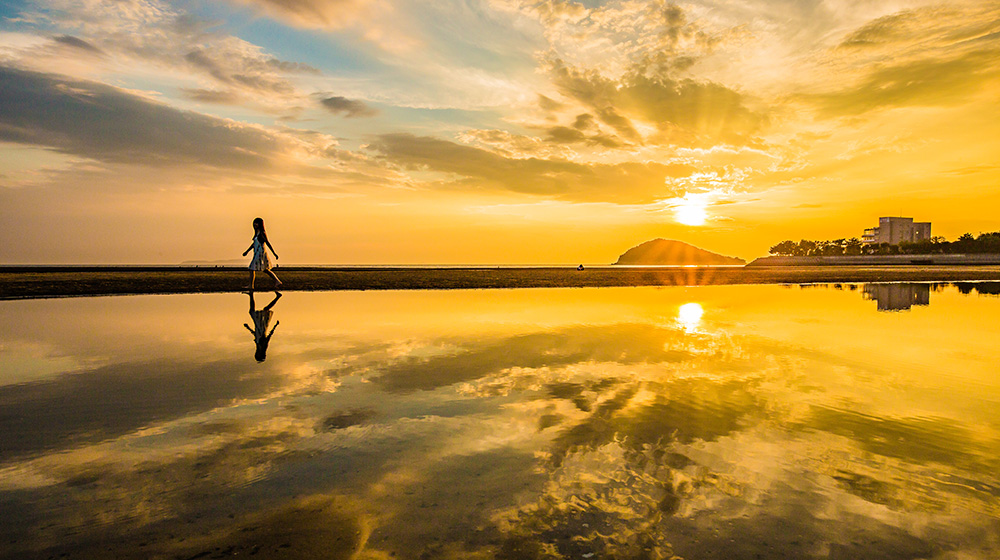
x=42, y=282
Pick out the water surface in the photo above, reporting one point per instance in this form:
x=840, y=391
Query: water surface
x=714, y=422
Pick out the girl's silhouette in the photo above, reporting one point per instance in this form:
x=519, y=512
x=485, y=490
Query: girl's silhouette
x=260, y=262
x=261, y=319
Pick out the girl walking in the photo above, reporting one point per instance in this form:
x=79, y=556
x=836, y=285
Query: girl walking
x=261, y=318
x=260, y=261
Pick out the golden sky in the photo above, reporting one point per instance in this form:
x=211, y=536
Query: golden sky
x=487, y=131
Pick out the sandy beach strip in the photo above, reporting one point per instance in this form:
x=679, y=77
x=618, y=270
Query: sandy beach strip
x=41, y=282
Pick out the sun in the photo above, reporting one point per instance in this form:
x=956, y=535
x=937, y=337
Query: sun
x=691, y=214
x=692, y=210
x=689, y=316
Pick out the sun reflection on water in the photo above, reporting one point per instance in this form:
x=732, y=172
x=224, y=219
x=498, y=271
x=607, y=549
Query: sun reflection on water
x=689, y=316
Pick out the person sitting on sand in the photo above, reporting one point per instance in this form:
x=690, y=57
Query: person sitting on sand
x=260, y=260
x=261, y=318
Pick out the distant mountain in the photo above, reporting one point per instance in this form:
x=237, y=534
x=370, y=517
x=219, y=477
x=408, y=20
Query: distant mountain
x=226, y=262
x=670, y=252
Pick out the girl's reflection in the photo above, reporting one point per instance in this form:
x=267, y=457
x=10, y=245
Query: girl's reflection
x=261, y=318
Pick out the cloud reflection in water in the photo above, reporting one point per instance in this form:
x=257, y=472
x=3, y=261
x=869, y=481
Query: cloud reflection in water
x=531, y=424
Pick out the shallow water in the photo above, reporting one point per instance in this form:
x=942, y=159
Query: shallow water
x=713, y=422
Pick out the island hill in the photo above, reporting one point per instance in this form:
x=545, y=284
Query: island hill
x=667, y=252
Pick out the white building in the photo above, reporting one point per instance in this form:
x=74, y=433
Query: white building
x=898, y=297
x=894, y=230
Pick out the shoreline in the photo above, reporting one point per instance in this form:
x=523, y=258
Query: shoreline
x=950, y=259
x=17, y=282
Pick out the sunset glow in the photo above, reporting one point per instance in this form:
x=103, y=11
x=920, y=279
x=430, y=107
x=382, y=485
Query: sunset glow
x=490, y=131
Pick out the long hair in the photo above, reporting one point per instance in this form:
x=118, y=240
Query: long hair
x=258, y=230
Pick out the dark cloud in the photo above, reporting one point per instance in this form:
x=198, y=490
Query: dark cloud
x=926, y=82
x=250, y=74
x=606, y=141
x=291, y=67
x=614, y=119
x=549, y=104
x=117, y=399
x=204, y=62
x=675, y=25
x=915, y=440
x=563, y=134
x=346, y=419
x=105, y=123
x=631, y=182
x=586, y=86
x=673, y=16
x=584, y=121
x=312, y=524
x=790, y=527
x=189, y=25
x=349, y=108
x=77, y=43
x=884, y=30
x=567, y=135
x=689, y=412
x=262, y=82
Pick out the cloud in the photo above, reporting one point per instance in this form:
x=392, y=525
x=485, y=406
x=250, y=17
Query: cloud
x=560, y=11
x=632, y=182
x=687, y=111
x=613, y=118
x=330, y=14
x=630, y=66
x=925, y=28
x=883, y=31
x=137, y=34
x=247, y=74
x=565, y=134
x=385, y=24
x=349, y=108
x=549, y=104
x=211, y=95
x=108, y=124
x=927, y=82
x=675, y=24
x=77, y=43
x=584, y=121
x=506, y=143
x=632, y=344
x=934, y=56
x=619, y=33
x=37, y=422
x=920, y=440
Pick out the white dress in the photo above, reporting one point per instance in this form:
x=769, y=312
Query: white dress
x=260, y=260
x=261, y=320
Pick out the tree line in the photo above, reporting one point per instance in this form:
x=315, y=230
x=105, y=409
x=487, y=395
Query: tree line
x=966, y=243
